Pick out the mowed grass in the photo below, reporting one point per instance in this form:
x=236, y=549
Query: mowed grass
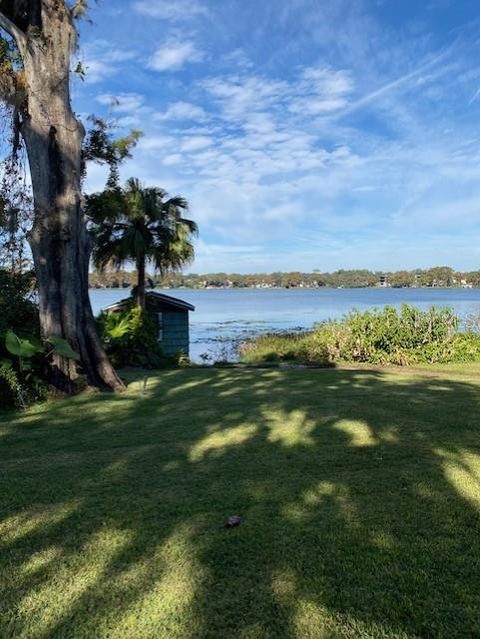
x=359, y=492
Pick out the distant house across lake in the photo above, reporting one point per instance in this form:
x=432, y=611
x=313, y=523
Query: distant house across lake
x=170, y=315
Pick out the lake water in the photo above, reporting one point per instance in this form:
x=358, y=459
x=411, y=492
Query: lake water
x=224, y=316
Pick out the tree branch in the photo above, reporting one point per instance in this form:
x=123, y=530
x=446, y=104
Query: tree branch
x=11, y=28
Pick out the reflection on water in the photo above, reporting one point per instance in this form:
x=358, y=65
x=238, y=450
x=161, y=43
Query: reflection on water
x=225, y=316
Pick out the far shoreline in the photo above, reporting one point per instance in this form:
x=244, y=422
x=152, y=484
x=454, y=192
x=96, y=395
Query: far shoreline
x=287, y=288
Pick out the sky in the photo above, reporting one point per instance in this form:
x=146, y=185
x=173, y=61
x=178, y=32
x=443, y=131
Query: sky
x=306, y=134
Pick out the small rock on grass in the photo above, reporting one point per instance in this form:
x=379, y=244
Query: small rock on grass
x=232, y=521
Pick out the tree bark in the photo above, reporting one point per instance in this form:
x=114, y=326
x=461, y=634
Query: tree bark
x=141, y=282
x=59, y=240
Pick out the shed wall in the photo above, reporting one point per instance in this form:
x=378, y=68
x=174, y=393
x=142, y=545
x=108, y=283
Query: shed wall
x=175, y=332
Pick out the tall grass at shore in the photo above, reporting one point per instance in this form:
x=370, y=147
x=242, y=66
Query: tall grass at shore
x=381, y=336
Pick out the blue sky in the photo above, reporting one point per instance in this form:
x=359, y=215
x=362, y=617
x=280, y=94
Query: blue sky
x=306, y=134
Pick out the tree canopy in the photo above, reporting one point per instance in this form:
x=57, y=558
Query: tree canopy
x=143, y=225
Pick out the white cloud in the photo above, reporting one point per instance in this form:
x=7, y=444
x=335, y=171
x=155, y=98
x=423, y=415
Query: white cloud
x=240, y=95
x=129, y=121
x=182, y=111
x=97, y=175
x=402, y=82
x=156, y=143
x=260, y=168
x=368, y=156
x=96, y=70
x=170, y=9
x=322, y=91
x=123, y=102
x=196, y=142
x=317, y=91
x=326, y=80
x=241, y=257
x=171, y=160
x=174, y=55
x=100, y=60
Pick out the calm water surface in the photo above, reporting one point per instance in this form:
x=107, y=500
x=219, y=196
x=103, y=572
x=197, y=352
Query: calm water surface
x=224, y=316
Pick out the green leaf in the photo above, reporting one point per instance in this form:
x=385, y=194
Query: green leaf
x=120, y=329
x=6, y=364
x=61, y=347
x=26, y=365
x=80, y=71
x=21, y=347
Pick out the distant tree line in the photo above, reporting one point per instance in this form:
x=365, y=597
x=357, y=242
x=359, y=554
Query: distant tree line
x=438, y=276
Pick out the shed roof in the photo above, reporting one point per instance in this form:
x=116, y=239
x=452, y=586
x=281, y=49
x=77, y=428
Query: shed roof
x=168, y=300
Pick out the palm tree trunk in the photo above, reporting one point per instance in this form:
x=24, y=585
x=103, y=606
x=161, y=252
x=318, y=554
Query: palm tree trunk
x=141, y=282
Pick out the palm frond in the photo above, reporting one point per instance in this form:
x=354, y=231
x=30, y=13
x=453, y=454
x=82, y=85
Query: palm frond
x=137, y=222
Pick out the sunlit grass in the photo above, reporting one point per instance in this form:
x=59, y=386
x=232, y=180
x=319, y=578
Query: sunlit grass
x=359, y=492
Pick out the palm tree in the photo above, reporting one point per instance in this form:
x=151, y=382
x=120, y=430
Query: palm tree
x=143, y=225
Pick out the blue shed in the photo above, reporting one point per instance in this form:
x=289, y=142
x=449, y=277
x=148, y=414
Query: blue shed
x=171, y=318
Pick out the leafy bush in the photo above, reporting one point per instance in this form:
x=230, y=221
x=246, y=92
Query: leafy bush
x=10, y=387
x=389, y=336
x=18, y=313
x=130, y=338
x=17, y=310
x=23, y=354
x=24, y=381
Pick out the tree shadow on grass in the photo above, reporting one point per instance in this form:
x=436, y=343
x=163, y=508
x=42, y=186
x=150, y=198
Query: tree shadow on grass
x=360, y=493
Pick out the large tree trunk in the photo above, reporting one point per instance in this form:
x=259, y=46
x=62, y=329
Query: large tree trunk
x=59, y=241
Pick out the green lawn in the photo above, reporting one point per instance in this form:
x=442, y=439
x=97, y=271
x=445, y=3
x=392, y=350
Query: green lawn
x=360, y=493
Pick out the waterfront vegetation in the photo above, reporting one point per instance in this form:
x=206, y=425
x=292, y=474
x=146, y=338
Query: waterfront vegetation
x=439, y=277
x=358, y=491
x=388, y=336
x=129, y=337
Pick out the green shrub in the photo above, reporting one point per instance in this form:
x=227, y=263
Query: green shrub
x=17, y=310
x=130, y=338
x=22, y=372
x=10, y=388
x=18, y=313
x=388, y=336
x=23, y=355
